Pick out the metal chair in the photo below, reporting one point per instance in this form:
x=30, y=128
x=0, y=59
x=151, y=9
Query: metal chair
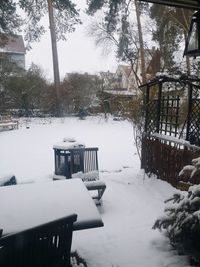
x=70, y=161
x=47, y=245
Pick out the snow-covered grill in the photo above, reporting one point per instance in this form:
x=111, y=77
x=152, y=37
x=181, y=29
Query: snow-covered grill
x=74, y=160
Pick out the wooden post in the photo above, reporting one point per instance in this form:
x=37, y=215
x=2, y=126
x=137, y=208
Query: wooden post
x=177, y=115
x=159, y=107
x=189, y=111
x=146, y=108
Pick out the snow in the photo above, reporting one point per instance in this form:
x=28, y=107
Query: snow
x=30, y=201
x=196, y=162
x=175, y=140
x=131, y=203
x=65, y=145
x=171, y=139
x=186, y=168
x=69, y=139
x=88, y=176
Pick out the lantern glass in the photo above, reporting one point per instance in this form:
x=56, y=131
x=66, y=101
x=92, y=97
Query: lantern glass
x=192, y=47
x=193, y=40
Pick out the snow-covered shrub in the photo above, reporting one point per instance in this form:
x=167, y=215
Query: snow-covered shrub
x=191, y=173
x=181, y=221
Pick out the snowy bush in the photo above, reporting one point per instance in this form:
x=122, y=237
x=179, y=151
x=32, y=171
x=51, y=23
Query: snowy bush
x=181, y=221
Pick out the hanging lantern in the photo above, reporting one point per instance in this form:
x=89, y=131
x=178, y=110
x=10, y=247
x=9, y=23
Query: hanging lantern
x=192, y=47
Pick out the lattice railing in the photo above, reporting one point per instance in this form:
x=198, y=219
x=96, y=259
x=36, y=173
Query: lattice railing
x=193, y=129
x=169, y=115
x=152, y=116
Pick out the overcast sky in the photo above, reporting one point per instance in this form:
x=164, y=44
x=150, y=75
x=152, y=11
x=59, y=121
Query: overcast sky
x=77, y=54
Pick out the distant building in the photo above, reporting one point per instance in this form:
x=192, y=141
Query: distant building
x=13, y=51
x=107, y=79
x=125, y=80
x=122, y=76
x=122, y=87
x=120, y=82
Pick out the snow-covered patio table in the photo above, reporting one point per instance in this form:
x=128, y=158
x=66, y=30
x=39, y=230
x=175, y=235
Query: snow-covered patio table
x=29, y=205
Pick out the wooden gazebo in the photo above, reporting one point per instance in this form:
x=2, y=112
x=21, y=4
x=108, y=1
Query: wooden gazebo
x=168, y=143
x=171, y=137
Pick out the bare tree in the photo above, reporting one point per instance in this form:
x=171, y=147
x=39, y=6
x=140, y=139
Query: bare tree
x=121, y=27
x=63, y=16
x=108, y=40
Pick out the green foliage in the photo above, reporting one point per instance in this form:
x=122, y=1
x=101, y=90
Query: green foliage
x=27, y=91
x=65, y=14
x=78, y=91
x=24, y=90
x=8, y=68
x=49, y=101
x=171, y=26
x=94, y=5
x=115, y=11
x=66, y=17
x=9, y=20
x=117, y=29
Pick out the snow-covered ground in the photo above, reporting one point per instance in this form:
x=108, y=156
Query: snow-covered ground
x=131, y=202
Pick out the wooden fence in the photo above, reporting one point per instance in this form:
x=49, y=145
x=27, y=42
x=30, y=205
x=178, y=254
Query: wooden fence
x=166, y=157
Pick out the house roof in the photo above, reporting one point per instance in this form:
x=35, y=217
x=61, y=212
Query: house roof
x=14, y=44
x=192, y=4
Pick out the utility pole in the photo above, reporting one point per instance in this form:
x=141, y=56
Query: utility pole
x=142, y=56
x=55, y=56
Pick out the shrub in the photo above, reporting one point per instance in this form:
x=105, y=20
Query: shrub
x=181, y=221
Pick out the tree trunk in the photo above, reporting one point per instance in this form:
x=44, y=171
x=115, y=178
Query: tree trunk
x=142, y=56
x=54, y=55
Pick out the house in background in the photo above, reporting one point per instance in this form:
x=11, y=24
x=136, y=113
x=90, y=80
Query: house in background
x=122, y=77
x=117, y=90
x=127, y=80
x=121, y=88
x=13, y=51
x=107, y=79
x=12, y=56
x=120, y=82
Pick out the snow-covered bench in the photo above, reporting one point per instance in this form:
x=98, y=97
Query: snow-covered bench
x=7, y=123
x=92, y=182
x=98, y=185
